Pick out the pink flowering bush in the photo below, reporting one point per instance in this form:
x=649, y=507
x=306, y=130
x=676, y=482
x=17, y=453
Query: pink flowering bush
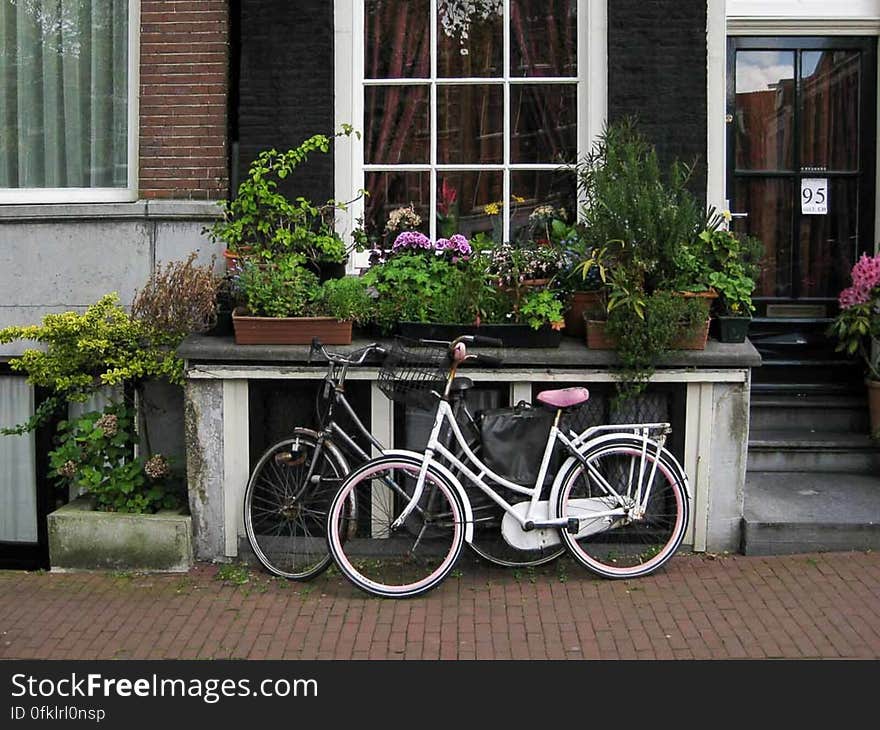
x=858, y=323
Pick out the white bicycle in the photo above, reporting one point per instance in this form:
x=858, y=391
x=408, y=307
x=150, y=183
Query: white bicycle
x=619, y=501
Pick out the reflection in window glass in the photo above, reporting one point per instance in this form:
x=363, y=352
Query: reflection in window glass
x=830, y=117
x=448, y=128
x=764, y=110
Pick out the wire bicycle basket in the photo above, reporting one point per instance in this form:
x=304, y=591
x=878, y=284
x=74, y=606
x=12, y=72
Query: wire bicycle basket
x=413, y=371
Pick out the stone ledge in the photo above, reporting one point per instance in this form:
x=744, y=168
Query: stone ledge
x=156, y=210
x=81, y=538
x=570, y=354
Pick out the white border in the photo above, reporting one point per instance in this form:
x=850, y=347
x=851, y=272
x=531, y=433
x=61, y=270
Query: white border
x=101, y=195
x=591, y=81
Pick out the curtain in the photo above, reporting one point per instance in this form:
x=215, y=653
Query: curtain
x=18, y=479
x=63, y=93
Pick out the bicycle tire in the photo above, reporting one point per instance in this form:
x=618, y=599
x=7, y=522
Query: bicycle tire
x=411, y=560
x=286, y=533
x=625, y=548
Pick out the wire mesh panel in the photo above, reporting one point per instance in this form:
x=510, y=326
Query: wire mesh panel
x=412, y=371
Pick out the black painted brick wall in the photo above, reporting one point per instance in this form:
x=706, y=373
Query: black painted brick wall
x=286, y=85
x=657, y=71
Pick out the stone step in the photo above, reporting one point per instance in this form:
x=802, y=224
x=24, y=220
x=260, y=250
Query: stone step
x=801, y=450
x=810, y=412
x=801, y=512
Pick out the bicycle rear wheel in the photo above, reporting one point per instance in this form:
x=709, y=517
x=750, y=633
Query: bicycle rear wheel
x=284, y=517
x=402, y=562
x=633, y=544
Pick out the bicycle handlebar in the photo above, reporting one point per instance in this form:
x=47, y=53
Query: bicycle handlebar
x=488, y=360
x=356, y=357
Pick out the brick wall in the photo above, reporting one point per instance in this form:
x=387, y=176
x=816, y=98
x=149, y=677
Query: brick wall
x=184, y=53
x=657, y=71
x=286, y=85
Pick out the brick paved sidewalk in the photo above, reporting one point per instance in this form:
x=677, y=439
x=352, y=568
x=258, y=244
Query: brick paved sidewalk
x=823, y=605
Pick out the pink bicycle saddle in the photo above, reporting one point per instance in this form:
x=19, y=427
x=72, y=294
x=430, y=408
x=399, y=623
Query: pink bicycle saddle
x=564, y=397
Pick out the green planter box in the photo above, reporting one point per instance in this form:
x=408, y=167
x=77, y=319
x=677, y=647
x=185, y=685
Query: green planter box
x=80, y=538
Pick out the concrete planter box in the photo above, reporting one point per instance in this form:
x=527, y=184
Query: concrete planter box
x=81, y=538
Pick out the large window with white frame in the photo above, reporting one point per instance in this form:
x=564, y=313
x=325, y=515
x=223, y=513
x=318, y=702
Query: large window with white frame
x=472, y=111
x=68, y=99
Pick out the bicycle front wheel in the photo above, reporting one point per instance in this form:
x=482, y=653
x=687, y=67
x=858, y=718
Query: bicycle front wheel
x=631, y=534
x=396, y=562
x=285, y=513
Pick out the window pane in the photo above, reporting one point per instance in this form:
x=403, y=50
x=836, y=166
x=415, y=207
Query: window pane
x=470, y=124
x=543, y=38
x=63, y=94
x=469, y=45
x=764, y=110
x=389, y=191
x=397, y=39
x=462, y=201
x=543, y=123
x=830, y=127
x=829, y=242
x=768, y=202
x=531, y=189
x=398, y=126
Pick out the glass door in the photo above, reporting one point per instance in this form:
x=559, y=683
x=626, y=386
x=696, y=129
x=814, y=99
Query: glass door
x=801, y=156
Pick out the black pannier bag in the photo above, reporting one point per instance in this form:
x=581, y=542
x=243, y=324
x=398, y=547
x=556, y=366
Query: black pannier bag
x=513, y=441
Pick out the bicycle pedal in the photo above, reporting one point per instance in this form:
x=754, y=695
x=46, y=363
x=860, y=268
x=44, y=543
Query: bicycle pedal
x=574, y=525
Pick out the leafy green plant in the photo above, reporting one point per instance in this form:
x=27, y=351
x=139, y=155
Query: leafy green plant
x=735, y=265
x=346, y=298
x=263, y=221
x=541, y=307
x=81, y=353
x=95, y=454
x=280, y=288
x=407, y=286
x=643, y=341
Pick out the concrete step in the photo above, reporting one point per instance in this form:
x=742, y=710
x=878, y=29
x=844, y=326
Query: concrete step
x=810, y=412
x=786, y=513
x=800, y=450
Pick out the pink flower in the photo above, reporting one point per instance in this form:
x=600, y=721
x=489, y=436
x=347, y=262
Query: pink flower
x=865, y=278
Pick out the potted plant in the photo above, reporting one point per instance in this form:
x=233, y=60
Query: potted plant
x=133, y=512
x=262, y=222
x=439, y=290
x=284, y=303
x=641, y=229
x=857, y=328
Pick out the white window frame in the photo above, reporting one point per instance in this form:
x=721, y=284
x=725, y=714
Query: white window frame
x=591, y=82
x=101, y=195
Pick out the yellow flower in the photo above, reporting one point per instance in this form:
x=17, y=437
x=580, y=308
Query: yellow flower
x=517, y=199
x=727, y=216
x=492, y=208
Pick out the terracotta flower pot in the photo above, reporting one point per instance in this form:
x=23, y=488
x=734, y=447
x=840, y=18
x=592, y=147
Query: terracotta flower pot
x=581, y=302
x=598, y=339
x=250, y=330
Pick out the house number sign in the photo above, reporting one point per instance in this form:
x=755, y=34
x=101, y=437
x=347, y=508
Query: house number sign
x=814, y=196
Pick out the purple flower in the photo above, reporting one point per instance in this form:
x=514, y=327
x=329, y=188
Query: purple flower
x=442, y=244
x=411, y=239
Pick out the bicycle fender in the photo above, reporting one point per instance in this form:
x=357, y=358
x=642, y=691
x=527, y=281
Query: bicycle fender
x=453, y=482
x=601, y=440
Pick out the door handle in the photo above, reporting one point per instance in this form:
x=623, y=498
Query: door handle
x=739, y=215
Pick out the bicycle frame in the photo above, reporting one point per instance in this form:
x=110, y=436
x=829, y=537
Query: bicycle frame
x=633, y=505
